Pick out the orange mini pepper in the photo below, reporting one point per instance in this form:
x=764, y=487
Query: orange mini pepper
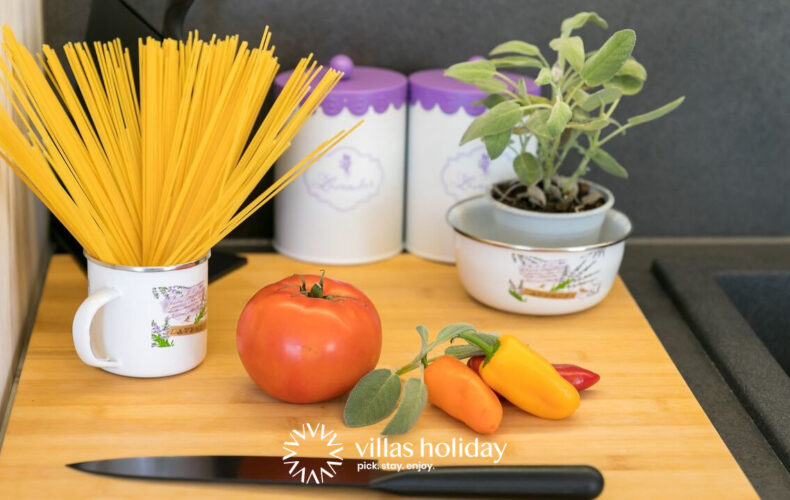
x=462, y=394
x=525, y=378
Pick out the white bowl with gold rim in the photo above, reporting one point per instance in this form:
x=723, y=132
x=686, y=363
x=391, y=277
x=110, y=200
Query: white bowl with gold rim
x=500, y=267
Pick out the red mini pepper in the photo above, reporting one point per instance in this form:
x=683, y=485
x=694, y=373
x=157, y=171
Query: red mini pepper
x=580, y=378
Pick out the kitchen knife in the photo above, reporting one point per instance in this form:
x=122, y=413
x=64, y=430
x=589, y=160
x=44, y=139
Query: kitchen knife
x=523, y=481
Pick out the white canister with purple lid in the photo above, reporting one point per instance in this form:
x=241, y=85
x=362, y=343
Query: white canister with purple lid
x=348, y=207
x=439, y=171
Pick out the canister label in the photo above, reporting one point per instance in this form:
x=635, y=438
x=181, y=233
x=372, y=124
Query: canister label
x=344, y=178
x=470, y=172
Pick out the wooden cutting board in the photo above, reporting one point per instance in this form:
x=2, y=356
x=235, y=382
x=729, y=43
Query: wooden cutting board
x=640, y=425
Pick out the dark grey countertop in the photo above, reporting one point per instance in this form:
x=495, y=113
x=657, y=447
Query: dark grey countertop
x=739, y=432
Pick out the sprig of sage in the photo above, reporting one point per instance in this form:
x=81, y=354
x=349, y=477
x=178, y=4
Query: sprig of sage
x=377, y=395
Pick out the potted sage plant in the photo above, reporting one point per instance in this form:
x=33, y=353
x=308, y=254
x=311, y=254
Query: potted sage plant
x=573, y=122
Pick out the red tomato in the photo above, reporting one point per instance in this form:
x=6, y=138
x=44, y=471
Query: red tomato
x=304, y=344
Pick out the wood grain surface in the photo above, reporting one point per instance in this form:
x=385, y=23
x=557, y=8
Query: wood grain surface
x=640, y=425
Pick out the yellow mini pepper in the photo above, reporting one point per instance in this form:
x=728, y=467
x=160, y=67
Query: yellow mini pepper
x=527, y=379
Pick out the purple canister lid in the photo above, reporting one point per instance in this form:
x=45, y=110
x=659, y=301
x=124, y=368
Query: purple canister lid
x=430, y=87
x=361, y=88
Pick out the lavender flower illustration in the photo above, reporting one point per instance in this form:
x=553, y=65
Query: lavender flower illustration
x=345, y=164
x=160, y=335
x=484, y=163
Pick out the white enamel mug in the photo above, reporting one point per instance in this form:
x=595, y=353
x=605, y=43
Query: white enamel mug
x=143, y=321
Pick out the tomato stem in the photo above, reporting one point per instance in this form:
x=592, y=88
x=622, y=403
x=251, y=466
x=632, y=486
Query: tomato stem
x=316, y=291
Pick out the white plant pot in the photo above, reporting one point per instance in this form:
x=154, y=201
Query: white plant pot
x=553, y=230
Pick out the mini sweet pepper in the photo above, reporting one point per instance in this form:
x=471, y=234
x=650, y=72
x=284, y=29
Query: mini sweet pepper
x=456, y=389
x=525, y=378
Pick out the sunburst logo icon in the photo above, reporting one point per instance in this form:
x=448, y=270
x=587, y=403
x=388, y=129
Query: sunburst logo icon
x=316, y=471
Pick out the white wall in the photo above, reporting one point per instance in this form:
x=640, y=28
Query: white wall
x=23, y=221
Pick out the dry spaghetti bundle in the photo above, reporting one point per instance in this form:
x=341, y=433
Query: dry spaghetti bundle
x=153, y=172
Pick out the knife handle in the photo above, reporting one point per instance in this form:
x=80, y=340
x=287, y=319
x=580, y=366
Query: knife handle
x=523, y=481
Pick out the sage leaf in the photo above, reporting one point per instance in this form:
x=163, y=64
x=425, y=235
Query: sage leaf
x=471, y=71
x=515, y=47
x=634, y=69
x=559, y=117
x=415, y=395
x=463, y=351
x=423, y=332
x=516, y=62
x=608, y=163
x=571, y=48
x=580, y=97
x=536, y=123
x=490, y=85
x=451, y=332
x=496, y=144
x=527, y=168
x=589, y=126
x=627, y=85
x=544, y=76
x=424, y=348
x=500, y=118
x=656, y=113
x=630, y=79
x=579, y=115
x=601, y=98
x=609, y=59
x=373, y=398
x=579, y=20
x=490, y=101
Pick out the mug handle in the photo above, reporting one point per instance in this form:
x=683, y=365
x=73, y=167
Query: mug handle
x=81, y=328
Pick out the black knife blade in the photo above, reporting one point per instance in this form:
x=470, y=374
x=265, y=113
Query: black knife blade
x=523, y=481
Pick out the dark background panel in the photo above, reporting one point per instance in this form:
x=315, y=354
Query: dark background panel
x=716, y=167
